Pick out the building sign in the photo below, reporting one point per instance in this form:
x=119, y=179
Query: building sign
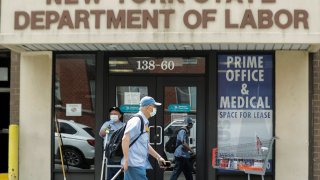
x=160, y=21
x=154, y=18
x=157, y=65
x=150, y=18
x=245, y=100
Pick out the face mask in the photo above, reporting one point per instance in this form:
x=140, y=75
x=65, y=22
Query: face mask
x=154, y=112
x=114, y=118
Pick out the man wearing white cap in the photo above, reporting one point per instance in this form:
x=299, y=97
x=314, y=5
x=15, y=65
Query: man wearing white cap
x=135, y=159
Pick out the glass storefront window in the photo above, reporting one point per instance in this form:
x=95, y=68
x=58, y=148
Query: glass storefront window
x=245, y=105
x=75, y=110
x=128, y=99
x=179, y=102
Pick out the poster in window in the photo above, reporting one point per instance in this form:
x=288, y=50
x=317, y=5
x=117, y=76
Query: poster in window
x=73, y=109
x=245, y=99
x=131, y=97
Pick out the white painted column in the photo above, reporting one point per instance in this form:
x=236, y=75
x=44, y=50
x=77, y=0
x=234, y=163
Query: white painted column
x=35, y=115
x=292, y=115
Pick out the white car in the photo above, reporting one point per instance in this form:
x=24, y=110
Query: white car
x=77, y=144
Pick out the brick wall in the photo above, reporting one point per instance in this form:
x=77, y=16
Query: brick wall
x=75, y=88
x=316, y=116
x=14, y=88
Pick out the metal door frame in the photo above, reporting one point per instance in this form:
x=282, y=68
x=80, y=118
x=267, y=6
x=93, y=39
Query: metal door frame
x=199, y=82
x=155, y=86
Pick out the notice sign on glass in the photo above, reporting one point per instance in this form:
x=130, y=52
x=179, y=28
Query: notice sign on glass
x=245, y=99
x=73, y=109
x=4, y=74
x=131, y=97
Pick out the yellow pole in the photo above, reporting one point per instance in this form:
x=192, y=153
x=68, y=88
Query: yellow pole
x=13, y=152
x=60, y=149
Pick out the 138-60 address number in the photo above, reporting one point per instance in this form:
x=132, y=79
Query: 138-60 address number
x=151, y=65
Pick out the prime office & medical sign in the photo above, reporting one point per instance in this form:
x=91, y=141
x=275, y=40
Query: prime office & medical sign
x=160, y=14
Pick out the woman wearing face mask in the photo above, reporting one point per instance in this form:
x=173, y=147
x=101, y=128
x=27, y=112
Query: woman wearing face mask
x=106, y=131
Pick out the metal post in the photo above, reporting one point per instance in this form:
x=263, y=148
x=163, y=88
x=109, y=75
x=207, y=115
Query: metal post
x=13, y=152
x=103, y=165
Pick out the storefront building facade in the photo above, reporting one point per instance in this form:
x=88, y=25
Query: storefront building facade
x=243, y=70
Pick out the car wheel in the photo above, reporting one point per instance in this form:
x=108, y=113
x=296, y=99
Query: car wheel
x=74, y=157
x=194, y=166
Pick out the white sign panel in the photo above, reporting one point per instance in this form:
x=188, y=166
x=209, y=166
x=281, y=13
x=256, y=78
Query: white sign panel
x=74, y=110
x=131, y=97
x=4, y=74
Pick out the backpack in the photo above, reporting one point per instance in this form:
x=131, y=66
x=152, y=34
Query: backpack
x=113, y=149
x=172, y=145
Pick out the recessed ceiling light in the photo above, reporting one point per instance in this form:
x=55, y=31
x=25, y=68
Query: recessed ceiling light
x=113, y=46
x=186, y=46
x=118, y=62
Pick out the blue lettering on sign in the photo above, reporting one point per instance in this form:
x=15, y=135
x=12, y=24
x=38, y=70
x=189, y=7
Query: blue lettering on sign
x=128, y=108
x=179, y=108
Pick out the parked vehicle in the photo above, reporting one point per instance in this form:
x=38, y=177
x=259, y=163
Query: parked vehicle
x=77, y=144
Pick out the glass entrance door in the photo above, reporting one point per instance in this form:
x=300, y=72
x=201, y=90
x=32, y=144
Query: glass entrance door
x=181, y=97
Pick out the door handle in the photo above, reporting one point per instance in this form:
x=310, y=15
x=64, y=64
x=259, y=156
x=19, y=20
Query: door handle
x=158, y=136
x=150, y=127
x=160, y=130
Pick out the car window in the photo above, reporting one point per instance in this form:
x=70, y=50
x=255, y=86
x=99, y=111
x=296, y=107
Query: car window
x=89, y=131
x=67, y=129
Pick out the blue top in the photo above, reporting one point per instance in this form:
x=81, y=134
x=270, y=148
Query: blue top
x=112, y=126
x=138, y=152
x=180, y=150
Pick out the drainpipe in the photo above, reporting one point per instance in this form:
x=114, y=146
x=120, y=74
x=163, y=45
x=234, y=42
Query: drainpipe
x=13, y=152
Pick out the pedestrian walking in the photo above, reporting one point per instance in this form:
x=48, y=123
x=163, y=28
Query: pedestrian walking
x=135, y=161
x=183, y=153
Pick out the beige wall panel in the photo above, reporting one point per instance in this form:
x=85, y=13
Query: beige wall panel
x=35, y=116
x=215, y=31
x=292, y=121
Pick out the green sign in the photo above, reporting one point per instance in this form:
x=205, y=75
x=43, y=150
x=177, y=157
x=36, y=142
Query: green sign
x=179, y=108
x=126, y=108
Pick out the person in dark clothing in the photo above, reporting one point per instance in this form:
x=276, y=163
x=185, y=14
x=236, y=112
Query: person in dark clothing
x=183, y=152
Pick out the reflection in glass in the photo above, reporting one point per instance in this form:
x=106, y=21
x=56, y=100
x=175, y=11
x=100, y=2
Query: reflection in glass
x=128, y=99
x=75, y=84
x=179, y=102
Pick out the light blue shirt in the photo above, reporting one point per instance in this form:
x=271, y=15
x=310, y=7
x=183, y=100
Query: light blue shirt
x=180, y=150
x=112, y=126
x=139, y=151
